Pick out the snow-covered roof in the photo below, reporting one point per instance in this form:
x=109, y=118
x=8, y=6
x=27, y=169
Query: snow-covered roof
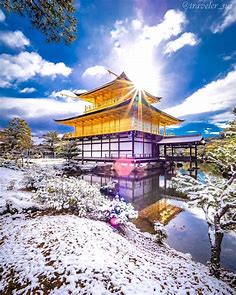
x=181, y=139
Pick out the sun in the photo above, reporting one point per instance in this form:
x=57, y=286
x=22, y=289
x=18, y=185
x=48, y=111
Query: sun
x=141, y=68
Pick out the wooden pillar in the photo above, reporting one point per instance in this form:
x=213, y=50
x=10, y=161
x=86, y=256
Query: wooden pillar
x=196, y=157
x=118, y=145
x=132, y=144
x=143, y=144
x=165, y=130
x=157, y=151
x=82, y=151
x=158, y=128
x=109, y=146
x=165, y=151
x=190, y=157
x=101, y=146
x=91, y=147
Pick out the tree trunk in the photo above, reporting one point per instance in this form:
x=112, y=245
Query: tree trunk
x=215, y=236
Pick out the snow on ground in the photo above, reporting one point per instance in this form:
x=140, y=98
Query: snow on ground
x=10, y=189
x=48, y=161
x=66, y=254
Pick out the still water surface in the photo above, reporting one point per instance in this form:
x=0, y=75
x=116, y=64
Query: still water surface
x=151, y=195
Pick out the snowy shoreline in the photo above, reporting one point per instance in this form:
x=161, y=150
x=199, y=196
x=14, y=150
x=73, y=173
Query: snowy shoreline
x=66, y=253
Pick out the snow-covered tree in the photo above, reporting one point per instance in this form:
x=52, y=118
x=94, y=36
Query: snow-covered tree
x=222, y=152
x=217, y=198
x=17, y=138
x=51, y=143
x=70, y=150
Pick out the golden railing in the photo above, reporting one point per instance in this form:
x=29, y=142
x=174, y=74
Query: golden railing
x=106, y=103
x=106, y=130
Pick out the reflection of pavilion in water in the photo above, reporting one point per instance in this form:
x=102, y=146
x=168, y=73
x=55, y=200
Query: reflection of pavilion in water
x=138, y=188
x=161, y=211
x=147, y=192
x=142, y=187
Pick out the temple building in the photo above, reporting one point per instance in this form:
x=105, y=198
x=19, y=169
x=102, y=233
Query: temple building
x=120, y=122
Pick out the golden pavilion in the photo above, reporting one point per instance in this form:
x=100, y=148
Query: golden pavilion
x=120, y=122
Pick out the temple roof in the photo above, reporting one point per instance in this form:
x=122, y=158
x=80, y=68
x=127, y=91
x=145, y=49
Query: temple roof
x=121, y=84
x=181, y=139
x=113, y=107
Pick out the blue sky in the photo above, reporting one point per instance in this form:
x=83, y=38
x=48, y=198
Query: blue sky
x=183, y=51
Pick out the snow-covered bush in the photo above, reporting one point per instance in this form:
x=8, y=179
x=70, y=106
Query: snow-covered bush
x=11, y=164
x=111, y=188
x=60, y=192
x=119, y=209
x=14, y=205
x=161, y=232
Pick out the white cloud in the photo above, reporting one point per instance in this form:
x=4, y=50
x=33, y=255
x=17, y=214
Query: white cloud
x=14, y=39
x=215, y=96
x=228, y=17
x=2, y=16
x=95, y=72
x=230, y=56
x=222, y=125
x=67, y=95
x=79, y=91
x=27, y=90
x=172, y=25
x=33, y=108
x=119, y=30
x=184, y=39
x=26, y=65
x=137, y=50
x=223, y=117
x=208, y=131
x=136, y=24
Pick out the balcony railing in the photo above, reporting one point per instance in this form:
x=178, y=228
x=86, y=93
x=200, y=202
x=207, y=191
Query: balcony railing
x=106, y=130
x=106, y=103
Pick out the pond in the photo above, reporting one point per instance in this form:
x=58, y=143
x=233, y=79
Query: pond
x=151, y=195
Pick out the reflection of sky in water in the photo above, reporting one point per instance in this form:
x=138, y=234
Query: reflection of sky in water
x=188, y=233
x=187, y=230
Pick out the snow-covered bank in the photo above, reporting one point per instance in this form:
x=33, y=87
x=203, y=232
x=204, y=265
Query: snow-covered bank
x=65, y=253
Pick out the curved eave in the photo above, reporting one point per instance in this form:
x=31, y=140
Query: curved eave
x=121, y=79
x=177, y=120
x=67, y=120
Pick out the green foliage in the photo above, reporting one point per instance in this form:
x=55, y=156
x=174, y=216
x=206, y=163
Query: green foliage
x=17, y=136
x=51, y=143
x=70, y=150
x=222, y=152
x=54, y=18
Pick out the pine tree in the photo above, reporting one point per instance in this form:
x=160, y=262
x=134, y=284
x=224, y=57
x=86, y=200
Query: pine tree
x=51, y=143
x=70, y=150
x=54, y=18
x=17, y=138
x=222, y=152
